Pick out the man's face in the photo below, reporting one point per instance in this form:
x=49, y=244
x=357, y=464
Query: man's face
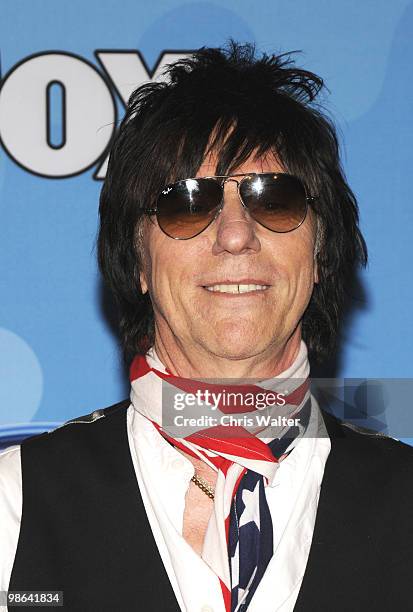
x=179, y=275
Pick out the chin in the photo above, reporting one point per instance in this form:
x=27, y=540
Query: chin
x=233, y=341
x=232, y=353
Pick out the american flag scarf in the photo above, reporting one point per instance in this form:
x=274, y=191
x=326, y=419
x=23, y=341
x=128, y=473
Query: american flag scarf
x=238, y=543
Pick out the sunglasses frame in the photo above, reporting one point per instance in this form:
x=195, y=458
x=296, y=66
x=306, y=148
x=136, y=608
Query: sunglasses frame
x=232, y=177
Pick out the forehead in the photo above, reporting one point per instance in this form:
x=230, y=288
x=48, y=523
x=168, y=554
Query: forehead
x=255, y=163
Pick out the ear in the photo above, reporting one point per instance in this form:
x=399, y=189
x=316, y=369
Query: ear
x=144, y=284
x=315, y=270
x=317, y=247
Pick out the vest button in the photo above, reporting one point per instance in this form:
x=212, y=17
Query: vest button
x=207, y=608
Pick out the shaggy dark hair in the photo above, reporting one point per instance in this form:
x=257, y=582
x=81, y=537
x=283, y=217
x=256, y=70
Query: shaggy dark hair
x=249, y=105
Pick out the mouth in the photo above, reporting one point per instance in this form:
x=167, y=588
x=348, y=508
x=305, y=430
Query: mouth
x=234, y=289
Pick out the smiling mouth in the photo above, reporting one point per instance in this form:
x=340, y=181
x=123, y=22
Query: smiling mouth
x=235, y=289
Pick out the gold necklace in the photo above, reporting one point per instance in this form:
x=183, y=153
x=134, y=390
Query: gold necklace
x=204, y=485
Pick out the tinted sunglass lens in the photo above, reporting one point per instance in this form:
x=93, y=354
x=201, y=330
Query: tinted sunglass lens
x=186, y=208
x=276, y=201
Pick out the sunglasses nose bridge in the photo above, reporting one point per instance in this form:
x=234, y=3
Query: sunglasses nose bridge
x=238, y=182
x=230, y=179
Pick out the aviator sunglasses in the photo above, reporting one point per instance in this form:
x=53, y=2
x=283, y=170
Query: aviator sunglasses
x=277, y=201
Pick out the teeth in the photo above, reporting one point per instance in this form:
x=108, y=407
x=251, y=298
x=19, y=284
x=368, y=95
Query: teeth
x=236, y=288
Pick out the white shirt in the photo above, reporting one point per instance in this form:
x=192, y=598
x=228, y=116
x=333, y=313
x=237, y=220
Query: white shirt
x=163, y=475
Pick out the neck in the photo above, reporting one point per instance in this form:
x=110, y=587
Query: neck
x=195, y=362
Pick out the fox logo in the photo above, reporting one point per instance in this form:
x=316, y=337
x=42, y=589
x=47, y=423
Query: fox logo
x=58, y=111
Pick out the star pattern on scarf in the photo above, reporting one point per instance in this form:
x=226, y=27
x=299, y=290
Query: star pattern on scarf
x=251, y=512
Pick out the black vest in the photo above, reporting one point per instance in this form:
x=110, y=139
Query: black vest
x=84, y=528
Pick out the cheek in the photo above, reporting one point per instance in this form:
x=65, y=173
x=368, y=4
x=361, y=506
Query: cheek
x=303, y=277
x=169, y=270
x=294, y=260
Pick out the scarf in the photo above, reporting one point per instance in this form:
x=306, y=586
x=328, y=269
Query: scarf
x=243, y=436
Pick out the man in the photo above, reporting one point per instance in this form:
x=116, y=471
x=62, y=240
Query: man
x=228, y=235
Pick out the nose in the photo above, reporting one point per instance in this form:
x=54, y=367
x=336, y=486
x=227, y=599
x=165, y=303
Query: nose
x=235, y=230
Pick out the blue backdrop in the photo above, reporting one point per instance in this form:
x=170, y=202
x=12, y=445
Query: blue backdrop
x=68, y=67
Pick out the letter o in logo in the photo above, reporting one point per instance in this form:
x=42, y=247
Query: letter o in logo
x=89, y=114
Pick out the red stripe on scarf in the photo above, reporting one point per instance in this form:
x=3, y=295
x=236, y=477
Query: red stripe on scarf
x=226, y=593
x=139, y=367
x=232, y=440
